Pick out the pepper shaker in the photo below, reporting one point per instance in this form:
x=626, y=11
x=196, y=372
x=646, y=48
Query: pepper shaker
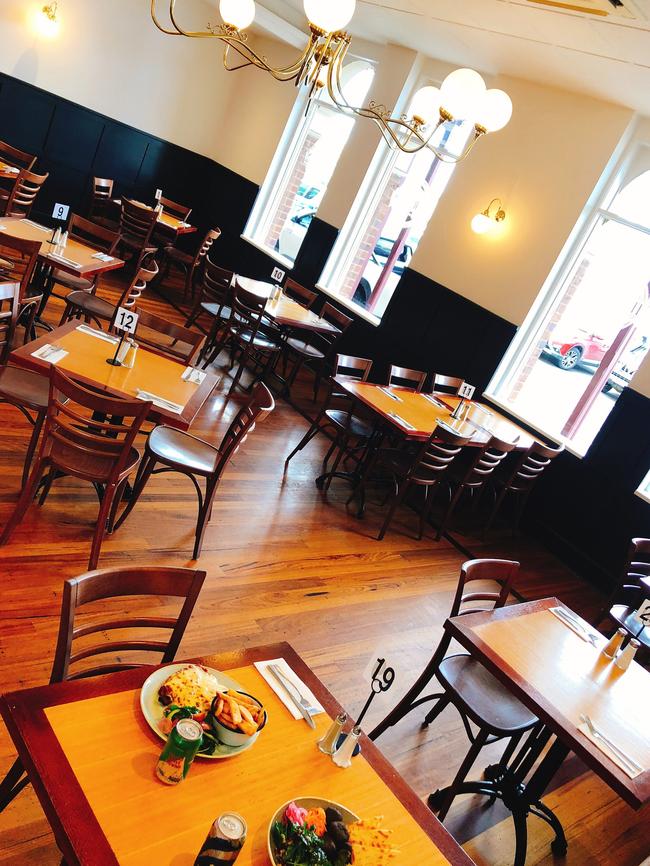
x=327, y=743
x=624, y=659
x=614, y=644
x=342, y=757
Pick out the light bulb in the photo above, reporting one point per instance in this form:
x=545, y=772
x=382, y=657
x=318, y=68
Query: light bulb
x=425, y=105
x=461, y=93
x=329, y=15
x=237, y=13
x=482, y=224
x=494, y=110
x=46, y=22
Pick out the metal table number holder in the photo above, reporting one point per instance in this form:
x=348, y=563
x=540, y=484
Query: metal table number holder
x=378, y=684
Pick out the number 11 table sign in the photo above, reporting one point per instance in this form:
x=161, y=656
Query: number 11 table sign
x=126, y=322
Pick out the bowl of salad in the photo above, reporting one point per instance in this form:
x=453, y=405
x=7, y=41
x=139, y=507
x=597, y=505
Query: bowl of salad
x=311, y=831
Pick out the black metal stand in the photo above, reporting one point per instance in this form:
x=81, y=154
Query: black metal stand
x=378, y=684
x=113, y=361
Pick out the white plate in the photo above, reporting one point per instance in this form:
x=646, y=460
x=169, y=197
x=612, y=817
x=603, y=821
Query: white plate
x=308, y=803
x=153, y=710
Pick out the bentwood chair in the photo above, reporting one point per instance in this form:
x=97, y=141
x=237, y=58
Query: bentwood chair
x=90, y=307
x=348, y=432
x=23, y=195
x=517, y=478
x=479, y=697
x=29, y=393
x=102, y=585
x=93, y=235
x=317, y=349
x=425, y=468
x=167, y=338
x=214, y=300
x=303, y=296
x=189, y=264
x=446, y=384
x=629, y=592
x=406, y=378
x=170, y=450
x=17, y=159
x=78, y=443
x=21, y=257
x=137, y=223
x=101, y=203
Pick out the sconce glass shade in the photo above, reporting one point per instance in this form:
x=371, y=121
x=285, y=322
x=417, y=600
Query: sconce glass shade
x=461, y=93
x=329, y=15
x=482, y=224
x=425, y=106
x=494, y=110
x=46, y=22
x=238, y=13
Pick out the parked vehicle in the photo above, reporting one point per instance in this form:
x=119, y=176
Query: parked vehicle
x=583, y=348
x=376, y=265
x=293, y=234
x=627, y=365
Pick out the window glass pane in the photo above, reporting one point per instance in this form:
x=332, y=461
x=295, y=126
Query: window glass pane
x=633, y=201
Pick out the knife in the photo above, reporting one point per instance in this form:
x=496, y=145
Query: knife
x=291, y=691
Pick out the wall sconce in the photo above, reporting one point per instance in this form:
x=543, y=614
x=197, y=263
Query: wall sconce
x=485, y=221
x=47, y=22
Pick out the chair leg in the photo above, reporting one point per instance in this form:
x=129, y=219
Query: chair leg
x=119, y=492
x=397, y=501
x=450, y=510
x=33, y=442
x=205, y=513
x=102, y=520
x=465, y=767
x=47, y=486
x=497, y=504
x=441, y=704
x=306, y=439
x=24, y=501
x=12, y=784
x=342, y=445
x=144, y=473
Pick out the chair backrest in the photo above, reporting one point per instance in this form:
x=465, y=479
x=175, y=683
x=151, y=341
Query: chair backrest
x=260, y=404
x=91, y=234
x=108, y=583
x=23, y=195
x=448, y=384
x=137, y=221
x=18, y=158
x=637, y=565
x=406, y=378
x=500, y=571
x=204, y=247
x=9, y=305
x=247, y=311
x=22, y=255
x=183, y=344
x=102, y=188
x=305, y=297
x=437, y=454
x=486, y=460
x=145, y=274
x=75, y=438
x=215, y=283
x=530, y=465
x=179, y=211
x=352, y=367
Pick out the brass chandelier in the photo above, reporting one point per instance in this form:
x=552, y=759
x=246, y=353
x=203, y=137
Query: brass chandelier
x=462, y=96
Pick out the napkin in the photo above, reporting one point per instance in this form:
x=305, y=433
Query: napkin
x=401, y=421
x=159, y=401
x=36, y=225
x=61, y=258
x=54, y=358
x=103, y=257
x=191, y=374
x=280, y=692
x=85, y=329
x=11, y=168
x=390, y=394
x=584, y=634
x=605, y=749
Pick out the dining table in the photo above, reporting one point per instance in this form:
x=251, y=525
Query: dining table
x=283, y=310
x=8, y=172
x=551, y=660
x=166, y=221
x=91, y=754
x=176, y=400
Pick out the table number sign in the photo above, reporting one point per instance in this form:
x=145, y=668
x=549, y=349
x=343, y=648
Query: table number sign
x=643, y=614
x=277, y=274
x=466, y=391
x=61, y=211
x=126, y=322
x=382, y=678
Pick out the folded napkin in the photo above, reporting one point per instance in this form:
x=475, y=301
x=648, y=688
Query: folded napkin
x=191, y=374
x=159, y=401
x=611, y=753
x=86, y=329
x=103, y=257
x=36, y=225
x=280, y=692
x=583, y=631
x=50, y=354
x=183, y=225
x=401, y=421
x=435, y=401
x=390, y=394
x=61, y=258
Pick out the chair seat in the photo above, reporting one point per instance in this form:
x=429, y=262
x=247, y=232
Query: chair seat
x=257, y=341
x=486, y=701
x=305, y=349
x=24, y=387
x=357, y=426
x=214, y=309
x=94, y=467
x=624, y=616
x=91, y=304
x=72, y=282
x=180, y=449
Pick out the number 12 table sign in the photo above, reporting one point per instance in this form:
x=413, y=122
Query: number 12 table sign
x=125, y=321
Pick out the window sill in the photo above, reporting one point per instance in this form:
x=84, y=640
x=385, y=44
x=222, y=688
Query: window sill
x=375, y=321
x=287, y=263
x=642, y=495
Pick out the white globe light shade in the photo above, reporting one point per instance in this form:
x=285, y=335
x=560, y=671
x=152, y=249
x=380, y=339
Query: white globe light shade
x=426, y=105
x=461, y=93
x=494, y=110
x=329, y=15
x=237, y=13
x=482, y=224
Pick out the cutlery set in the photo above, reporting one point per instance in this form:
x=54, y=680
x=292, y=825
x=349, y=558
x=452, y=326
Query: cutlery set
x=630, y=764
x=295, y=696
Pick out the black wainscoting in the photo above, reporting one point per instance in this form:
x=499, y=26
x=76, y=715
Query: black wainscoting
x=585, y=510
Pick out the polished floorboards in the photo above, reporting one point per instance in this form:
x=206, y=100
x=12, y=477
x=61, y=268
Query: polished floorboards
x=285, y=562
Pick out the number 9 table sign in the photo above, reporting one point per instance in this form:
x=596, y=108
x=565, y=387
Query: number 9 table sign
x=126, y=322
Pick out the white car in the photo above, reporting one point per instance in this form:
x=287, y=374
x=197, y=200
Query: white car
x=293, y=234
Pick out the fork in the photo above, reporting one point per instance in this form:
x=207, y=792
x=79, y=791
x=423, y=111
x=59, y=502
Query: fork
x=620, y=754
x=573, y=619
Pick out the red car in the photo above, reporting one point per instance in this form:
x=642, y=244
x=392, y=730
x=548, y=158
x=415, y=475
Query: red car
x=582, y=348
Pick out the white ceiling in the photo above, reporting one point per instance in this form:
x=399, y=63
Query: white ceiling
x=605, y=56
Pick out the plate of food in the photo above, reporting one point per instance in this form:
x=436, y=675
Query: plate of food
x=231, y=718
x=312, y=831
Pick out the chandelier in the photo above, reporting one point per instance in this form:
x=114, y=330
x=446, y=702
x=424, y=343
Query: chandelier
x=462, y=96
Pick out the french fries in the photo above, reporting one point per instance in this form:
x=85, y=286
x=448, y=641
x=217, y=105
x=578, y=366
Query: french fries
x=239, y=711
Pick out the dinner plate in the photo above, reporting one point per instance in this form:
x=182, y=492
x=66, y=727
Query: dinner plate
x=307, y=803
x=153, y=711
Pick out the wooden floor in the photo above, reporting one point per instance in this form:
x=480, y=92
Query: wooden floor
x=284, y=563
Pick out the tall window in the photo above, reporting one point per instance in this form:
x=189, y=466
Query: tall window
x=302, y=168
x=386, y=222
x=589, y=330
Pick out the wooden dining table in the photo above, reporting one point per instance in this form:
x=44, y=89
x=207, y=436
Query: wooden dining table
x=153, y=372
x=90, y=756
x=560, y=677
x=165, y=220
x=8, y=172
x=285, y=311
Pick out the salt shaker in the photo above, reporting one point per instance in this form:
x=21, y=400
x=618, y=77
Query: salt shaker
x=614, y=643
x=342, y=757
x=624, y=659
x=327, y=743
x=64, y=239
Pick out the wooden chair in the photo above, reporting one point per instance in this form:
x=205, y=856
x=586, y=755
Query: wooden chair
x=90, y=307
x=481, y=464
x=178, y=211
x=466, y=684
x=183, y=345
x=29, y=393
x=23, y=195
x=305, y=297
x=22, y=256
x=93, y=235
x=101, y=202
x=426, y=468
x=406, y=378
x=446, y=384
x=629, y=592
x=162, y=231
x=137, y=223
x=101, y=585
x=170, y=450
x=214, y=298
x=518, y=478
x=337, y=420
x=76, y=442
x=186, y=262
x=9, y=307
x=19, y=158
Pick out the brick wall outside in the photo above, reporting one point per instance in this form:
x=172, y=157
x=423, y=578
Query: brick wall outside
x=291, y=190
